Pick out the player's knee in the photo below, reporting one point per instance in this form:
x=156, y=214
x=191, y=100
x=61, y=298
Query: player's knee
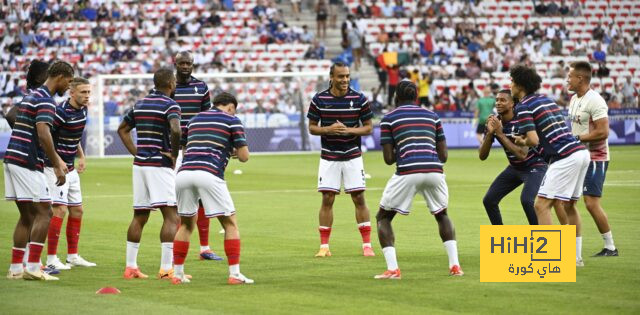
x=527, y=202
x=328, y=198
x=592, y=203
x=358, y=198
x=59, y=212
x=442, y=216
x=489, y=201
x=76, y=212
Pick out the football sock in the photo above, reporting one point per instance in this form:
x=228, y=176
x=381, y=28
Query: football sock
x=203, y=229
x=325, y=232
x=365, y=232
x=452, y=252
x=35, y=250
x=53, y=236
x=232, y=250
x=73, y=235
x=132, y=254
x=17, y=255
x=608, y=241
x=180, y=250
x=578, y=248
x=166, y=260
x=390, y=256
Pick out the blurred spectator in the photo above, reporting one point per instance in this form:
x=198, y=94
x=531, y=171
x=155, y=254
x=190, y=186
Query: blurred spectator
x=387, y=9
x=552, y=8
x=564, y=8
x=423, y=90
x=259, y=10
x=541, y=8
x=559, y=70
x=576, y=8
x=602, y=71
x=362, y=10
x=629, y=93
x=599, y=55
x=452, y=8
x=598, y=32
x=322, y=12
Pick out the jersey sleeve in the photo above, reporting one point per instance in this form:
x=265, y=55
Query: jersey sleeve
x=129, y=118
x=46, y=112
x=59, y=119
x=206, y=99
x=238, y=137
x=385, y=131
x=365, y=110
x=173, y=111
x=598, y=108
x=314, y=112
x=439, y=130
x=524, y=119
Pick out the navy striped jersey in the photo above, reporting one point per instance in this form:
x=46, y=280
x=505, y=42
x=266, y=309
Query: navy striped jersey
x=351, y=109
x=532, y=160
x=24, y=146
x=67, y=130
x=211, y=137
x=538, y=112
x=150, y=117
x=414, y=132
x=193, y=97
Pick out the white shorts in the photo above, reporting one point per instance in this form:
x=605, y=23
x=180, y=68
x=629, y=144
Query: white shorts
x=192, y=186
x=23, y=184
x=178, y=162
x=400, y=190
x=153, y=187
x=565, y=178
x=68, y=194
x=332, y=174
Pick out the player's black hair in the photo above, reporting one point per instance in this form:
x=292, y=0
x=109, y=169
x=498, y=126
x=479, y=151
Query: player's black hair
x=337, y=64
x=225, y=98
x=37, y=74
x=406, y=92
x=525, y=77
x=583, y=66
x=162, y=78
x=508, y=92
x=58, y=68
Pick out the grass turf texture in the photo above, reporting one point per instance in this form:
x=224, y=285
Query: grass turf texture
x=277, y=213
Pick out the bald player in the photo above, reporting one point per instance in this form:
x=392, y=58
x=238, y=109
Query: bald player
x=192, y=95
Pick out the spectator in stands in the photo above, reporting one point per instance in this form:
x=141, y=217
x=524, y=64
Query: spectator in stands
x=452, y=8
x=636, y=45
x=541, y=8
x=491, y=63
x=423, y=90
x=473, y=69
x=564, y=8
x=447, y=101
x=362, y=10
x=355, y=42
x=576, y=8
x=580, y=48
x=559, y=70
x=295, y=9
x=307, y=35
x=599, y=55
x=616, y=48
x=322, y=13
x=598, y=33
x=103, y=13
x=552, y=8
x=393, y=75
x=602, y=71
x=376, y=10
x=605, y=94
x=399, y=10
x=259, y=10
x=629, y=93
x=393, y=35
x=556, y=46
x=460, y=73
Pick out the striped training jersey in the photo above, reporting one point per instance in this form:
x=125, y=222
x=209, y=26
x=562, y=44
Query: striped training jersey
x=212, y=135
x=67, y=130
x=414, y=132
x=351, y=109
x=532, y=160
x=24, y=146
x=538, y=112
x=150, y=117
x=193, y=97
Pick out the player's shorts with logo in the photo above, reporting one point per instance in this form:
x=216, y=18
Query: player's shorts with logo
x=594, y=180
x=400, y=190
x=212, y=191
x=68, y=194
x=332, y=174
x=153, y=187
x=23, y=184
x=565, y=178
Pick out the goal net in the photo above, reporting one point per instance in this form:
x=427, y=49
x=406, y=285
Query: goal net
x=272, y=107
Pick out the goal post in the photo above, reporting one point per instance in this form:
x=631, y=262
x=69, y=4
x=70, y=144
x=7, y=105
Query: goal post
x=271, y=105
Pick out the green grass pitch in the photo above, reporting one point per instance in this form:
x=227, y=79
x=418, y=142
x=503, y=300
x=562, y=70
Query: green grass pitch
x=277, y=213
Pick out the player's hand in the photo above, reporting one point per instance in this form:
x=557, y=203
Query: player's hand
x=337, y=128
x=82, y=165
x=490, y=127
x=173, y=159
x=234, y=153
x=519, y=140
x=497, y=125
x=60, y=170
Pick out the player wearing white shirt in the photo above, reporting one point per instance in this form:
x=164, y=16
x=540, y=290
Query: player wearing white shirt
x=590, y=125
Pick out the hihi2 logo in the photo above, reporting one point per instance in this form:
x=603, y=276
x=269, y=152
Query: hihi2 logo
x=527, y=253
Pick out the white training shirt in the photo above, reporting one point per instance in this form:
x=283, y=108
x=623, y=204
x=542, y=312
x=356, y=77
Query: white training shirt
x=583, y=111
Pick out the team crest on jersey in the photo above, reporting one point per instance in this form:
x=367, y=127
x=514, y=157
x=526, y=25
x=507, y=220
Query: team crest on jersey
x=195, y=89
x=351, y=104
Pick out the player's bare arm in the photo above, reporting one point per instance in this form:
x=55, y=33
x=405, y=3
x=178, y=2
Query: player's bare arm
x=12, y=115
x=242, y=153
x=519, y=151
x=364, y=130
x=176, y=133
x=124, y=131
x=530, y=139
x=46, y=141
x=335, y=129
x=600, y=132
x=487, y=141
x=388, y=153
x=441, y=148
x=82, y=164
